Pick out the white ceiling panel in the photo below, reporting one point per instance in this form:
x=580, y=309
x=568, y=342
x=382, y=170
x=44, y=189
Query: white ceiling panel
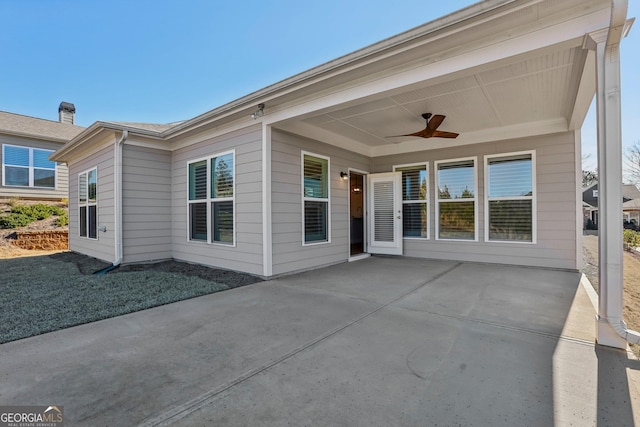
x=535, y=89
x=353, y=133
x=428, y=92
x=364, y=108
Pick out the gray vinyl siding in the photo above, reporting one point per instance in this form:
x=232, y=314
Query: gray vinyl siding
x=146, y=212
x=556, y=204
x=289, y=254
x=62, y=173
x=247, y=253
x=104, y=247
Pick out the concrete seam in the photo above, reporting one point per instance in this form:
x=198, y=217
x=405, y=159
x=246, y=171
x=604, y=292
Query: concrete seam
x=193, y=405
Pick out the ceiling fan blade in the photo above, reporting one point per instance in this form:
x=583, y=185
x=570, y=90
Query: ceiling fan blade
x=444, y=134
x=435, y=122
x=431, y=130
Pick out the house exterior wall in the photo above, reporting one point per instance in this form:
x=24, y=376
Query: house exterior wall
x=62, y=173
x=588, y=195
x=246, y=255
x=289, y=254
x=102, y=158
x=146, y=203
x=556, y=204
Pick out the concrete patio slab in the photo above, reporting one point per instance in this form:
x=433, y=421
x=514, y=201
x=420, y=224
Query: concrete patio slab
x=382, y=341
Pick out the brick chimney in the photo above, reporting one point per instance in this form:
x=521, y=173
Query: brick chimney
x=66, y=113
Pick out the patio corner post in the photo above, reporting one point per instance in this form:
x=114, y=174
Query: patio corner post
x=267, y=239
x=610, y=323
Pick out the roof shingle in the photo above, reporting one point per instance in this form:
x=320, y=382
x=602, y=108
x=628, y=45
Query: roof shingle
x=17, y=124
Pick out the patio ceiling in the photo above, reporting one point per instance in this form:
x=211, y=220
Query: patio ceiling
x=527, y=95
x=520, y=70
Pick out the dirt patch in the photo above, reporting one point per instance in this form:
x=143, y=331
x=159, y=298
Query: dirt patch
x=43, y=240
x=88, y=265
x=631, y=277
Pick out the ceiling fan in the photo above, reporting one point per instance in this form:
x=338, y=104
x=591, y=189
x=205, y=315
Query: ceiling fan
x=431, y=131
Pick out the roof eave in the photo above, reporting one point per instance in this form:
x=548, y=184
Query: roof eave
x=95, y=129
x=34, y=136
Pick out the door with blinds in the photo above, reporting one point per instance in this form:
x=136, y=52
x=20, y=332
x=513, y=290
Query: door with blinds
x=385, y=209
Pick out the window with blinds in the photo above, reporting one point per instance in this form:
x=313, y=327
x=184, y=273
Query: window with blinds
x=27, y=167
x=456, y=186
x=510, y=197
x=315, y=198
x=211, y=201
x=415, y=220
x=88, y=204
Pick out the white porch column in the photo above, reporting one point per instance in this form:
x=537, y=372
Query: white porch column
x=267, y=238
x=611, y=329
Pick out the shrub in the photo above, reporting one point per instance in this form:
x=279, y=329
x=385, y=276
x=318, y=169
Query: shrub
x=39, y=211
x=631, y=239
x=14, y=220
x=14, y=201
x=65, y=201
x=62, y=220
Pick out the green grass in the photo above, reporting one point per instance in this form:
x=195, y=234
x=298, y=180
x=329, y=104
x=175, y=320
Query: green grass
x=41, y=294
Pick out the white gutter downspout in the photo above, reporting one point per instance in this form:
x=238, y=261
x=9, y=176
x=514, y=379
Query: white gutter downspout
x=118, y=197
x=612, y=330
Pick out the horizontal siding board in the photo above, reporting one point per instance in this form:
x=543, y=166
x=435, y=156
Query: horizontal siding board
x=146, y=182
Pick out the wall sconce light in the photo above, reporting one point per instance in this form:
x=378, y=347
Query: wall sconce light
x=344, y=175
x=259, y=112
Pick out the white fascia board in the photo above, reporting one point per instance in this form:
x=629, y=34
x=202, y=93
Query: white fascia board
x=571, y=32
x=486, y=135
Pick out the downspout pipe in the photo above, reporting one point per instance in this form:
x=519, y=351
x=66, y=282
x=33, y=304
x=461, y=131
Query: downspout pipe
x=615, y=34
x=117, y=190
x=118, y=197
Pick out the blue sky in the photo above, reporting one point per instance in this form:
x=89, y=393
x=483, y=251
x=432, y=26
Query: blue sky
x=167, y=60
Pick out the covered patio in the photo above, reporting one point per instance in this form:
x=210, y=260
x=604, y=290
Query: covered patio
x=383, y=341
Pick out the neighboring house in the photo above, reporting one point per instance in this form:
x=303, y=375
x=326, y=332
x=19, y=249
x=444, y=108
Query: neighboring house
x=303, y=173
x=25, y=146
x=630, y=204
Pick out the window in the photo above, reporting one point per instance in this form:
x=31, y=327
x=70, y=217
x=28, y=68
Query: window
x=510, y=197
x=211, y=199
x=457, y=196
x=315, y=198
x=415, y=218
x=27, y=167
x=88, y=203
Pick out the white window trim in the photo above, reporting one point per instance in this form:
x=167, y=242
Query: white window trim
x=474, y=199
x=31, y=168
x=316, y=199
x=87, y=204
x=427, y=201
x=533, y=198
x=210, y=200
